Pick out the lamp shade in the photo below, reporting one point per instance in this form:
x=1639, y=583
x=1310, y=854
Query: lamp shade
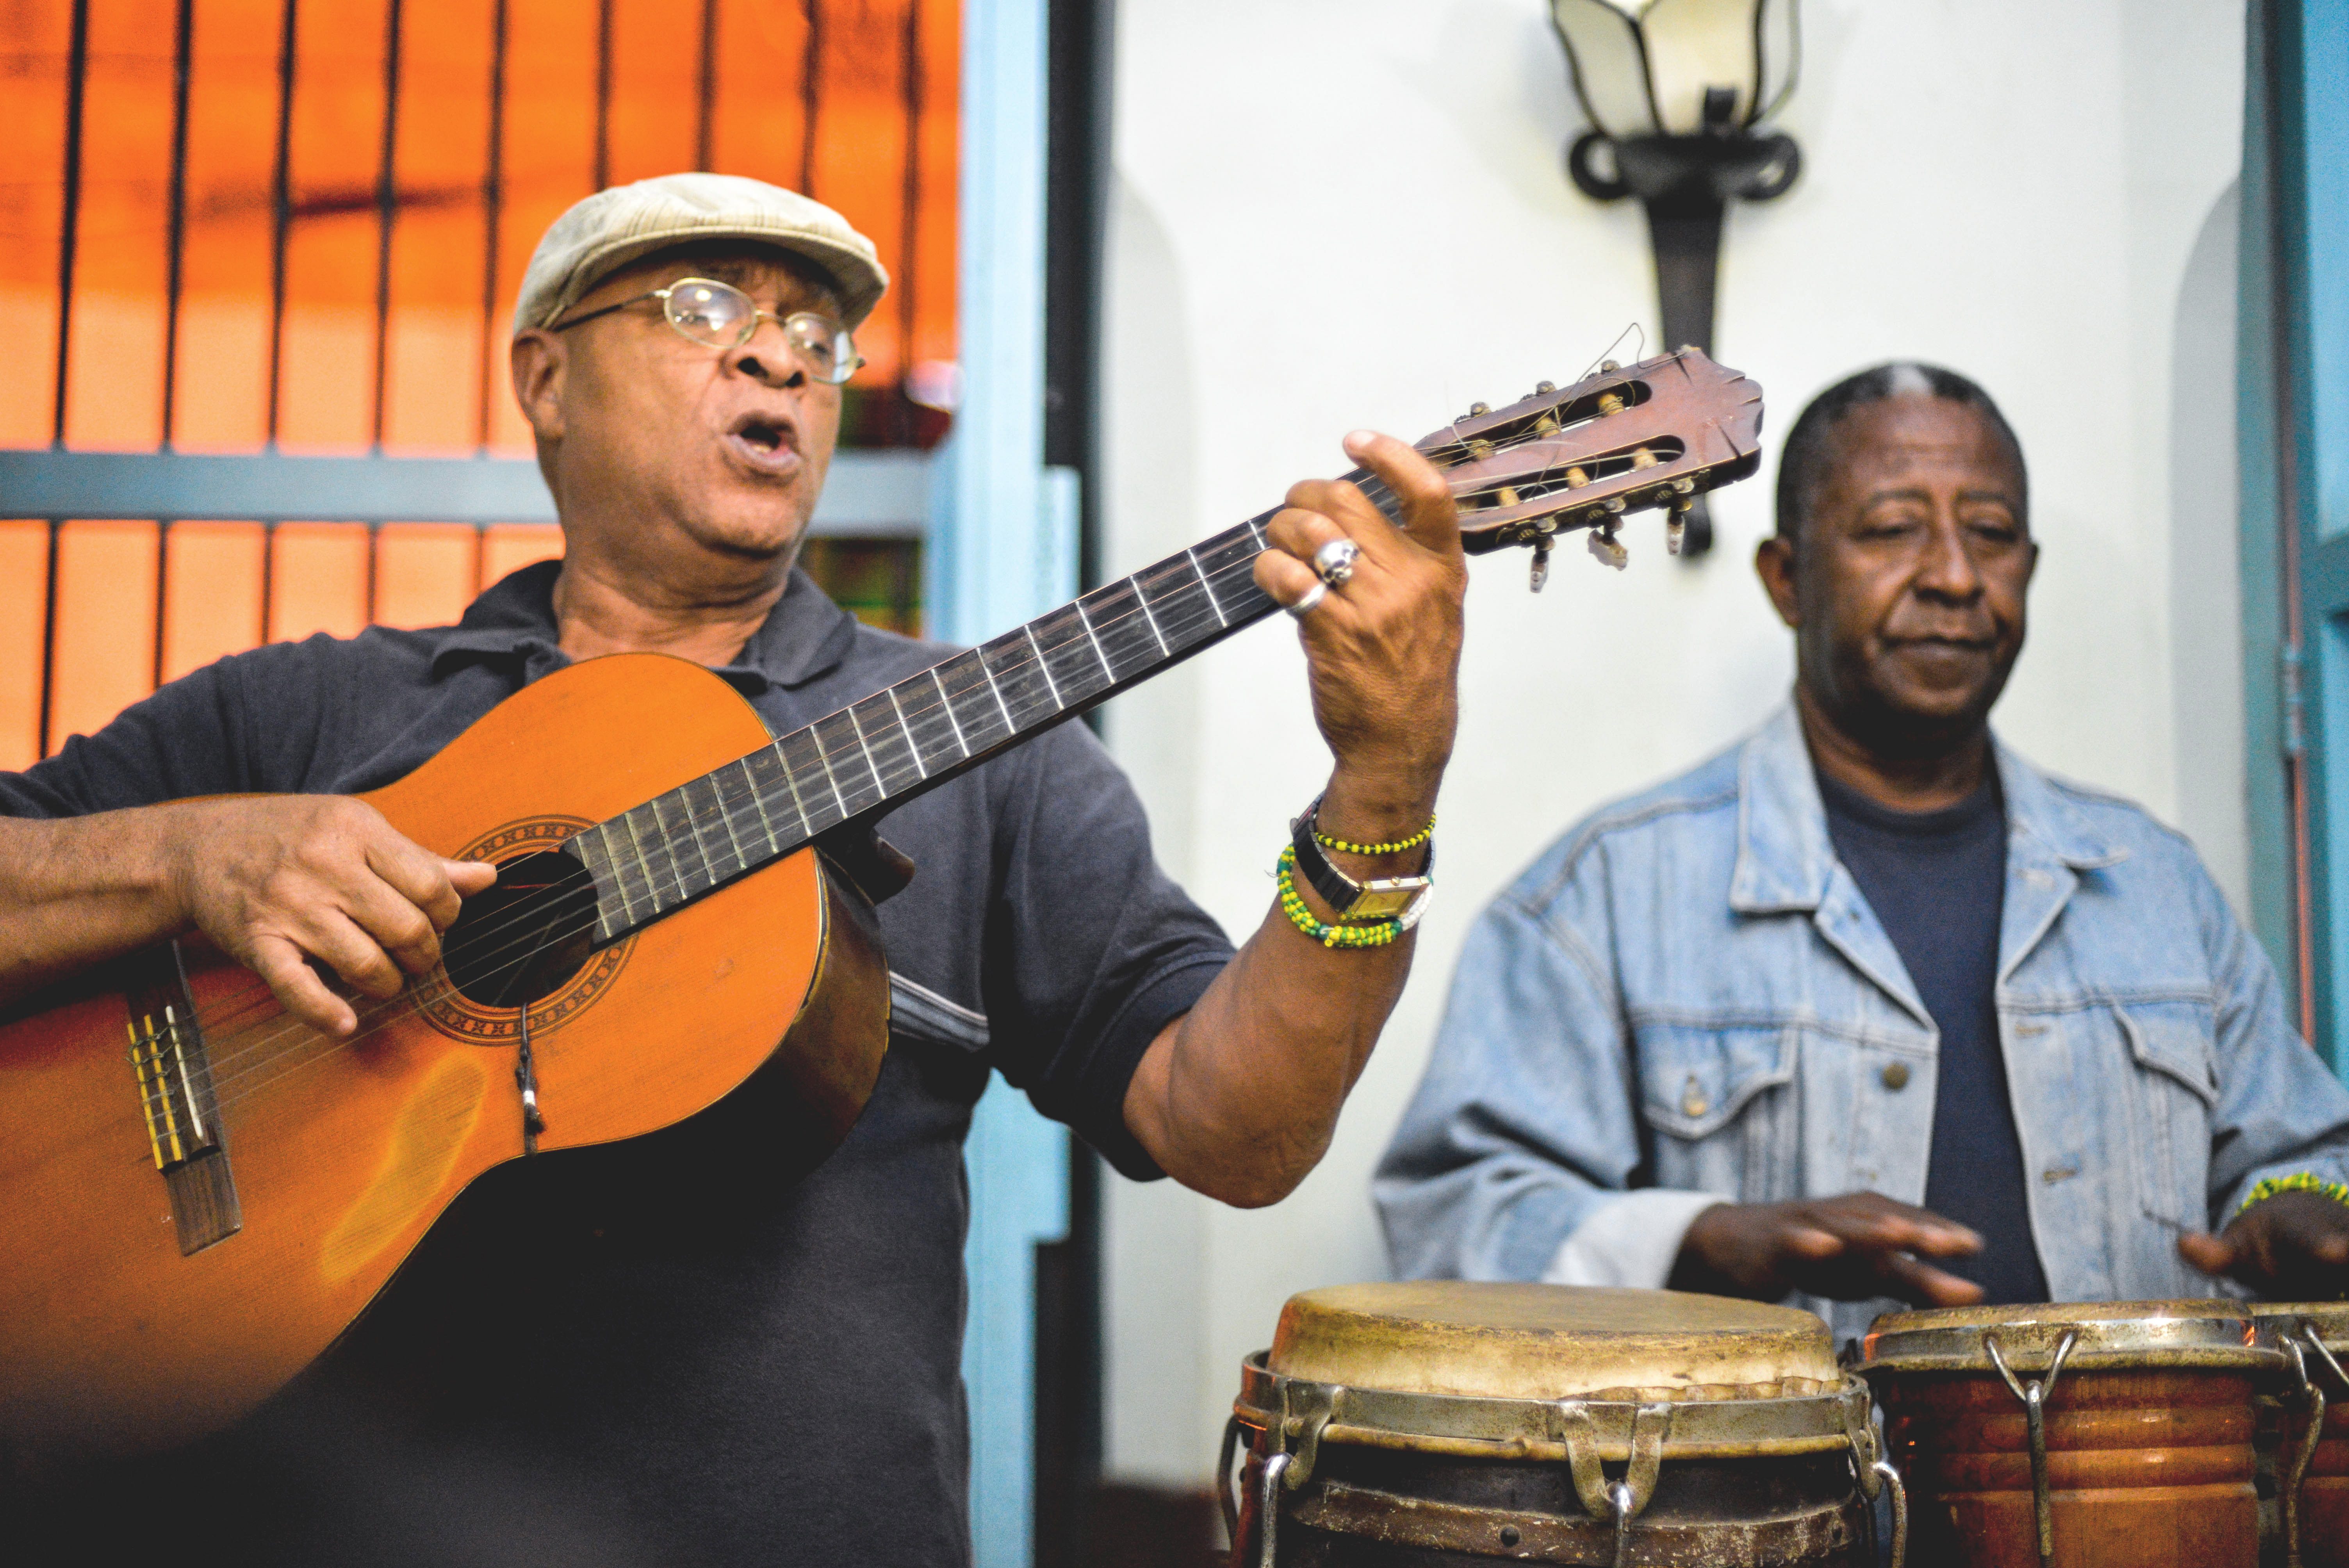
x=1678, y=67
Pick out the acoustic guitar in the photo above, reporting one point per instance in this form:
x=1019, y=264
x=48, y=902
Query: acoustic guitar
x=198, y=1194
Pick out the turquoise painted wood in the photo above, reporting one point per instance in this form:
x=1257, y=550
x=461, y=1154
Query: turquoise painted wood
x=1001, y=549
x=2296, y=450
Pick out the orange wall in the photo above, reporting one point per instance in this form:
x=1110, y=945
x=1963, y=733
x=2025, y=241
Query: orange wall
x=851, y=100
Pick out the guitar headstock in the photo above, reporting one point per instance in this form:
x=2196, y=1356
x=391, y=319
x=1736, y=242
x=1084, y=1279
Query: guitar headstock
x=1633, y=437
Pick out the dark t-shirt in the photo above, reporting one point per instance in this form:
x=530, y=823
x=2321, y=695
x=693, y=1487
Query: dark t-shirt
x=659, y=1352
x=1937, y=883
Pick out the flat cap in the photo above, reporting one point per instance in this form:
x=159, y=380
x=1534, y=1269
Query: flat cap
x=609, y=230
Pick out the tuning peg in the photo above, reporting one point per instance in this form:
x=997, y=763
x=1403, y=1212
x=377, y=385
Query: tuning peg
x=1608, y=549
x=1541, y=564
x=1676, y=520
x=1543, y=389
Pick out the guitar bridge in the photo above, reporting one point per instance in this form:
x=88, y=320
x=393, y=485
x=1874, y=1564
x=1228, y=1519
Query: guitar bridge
x=175, y=1094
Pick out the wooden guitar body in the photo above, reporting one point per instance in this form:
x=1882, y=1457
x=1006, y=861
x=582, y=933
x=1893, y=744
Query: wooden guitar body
x=115, y=1337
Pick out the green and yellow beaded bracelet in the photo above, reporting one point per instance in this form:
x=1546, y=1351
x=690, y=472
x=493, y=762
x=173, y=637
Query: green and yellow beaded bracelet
x=2302, y=1182
x=1293, y=905
x=1398, y=847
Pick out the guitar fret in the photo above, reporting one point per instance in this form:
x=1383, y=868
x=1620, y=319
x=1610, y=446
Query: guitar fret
x=1001, y=706
x=1020, y=685
x=696, y=816
x=1094, y=638
x=1220, y=618
x=865, y=746
x=652, y=891
x=947, y=704
x=1049, y=683
x=671, y=841
x=1148, y=619
x=664, y=848
x=1108, y=614
x=883, y=737
x=796, y=767
x=1073, y=659
x=839, y=753
x=915, y=751
x=731, y=807
x=619, y=880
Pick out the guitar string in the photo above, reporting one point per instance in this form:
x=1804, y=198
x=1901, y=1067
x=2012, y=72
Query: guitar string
x=233, y=1082
x=924, y=712
x=927, y=713
x=535, y=919
x=923, y=718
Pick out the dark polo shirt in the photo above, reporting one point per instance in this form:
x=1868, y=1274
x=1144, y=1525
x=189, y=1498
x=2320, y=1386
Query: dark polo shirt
x=661, y=1352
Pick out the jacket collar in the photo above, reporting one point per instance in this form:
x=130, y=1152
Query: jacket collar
x=804, y=636
x=1786, y=860
x=1787, y=864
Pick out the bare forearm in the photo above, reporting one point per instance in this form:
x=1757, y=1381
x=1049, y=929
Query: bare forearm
x=77, y=890
x=1238, y=1097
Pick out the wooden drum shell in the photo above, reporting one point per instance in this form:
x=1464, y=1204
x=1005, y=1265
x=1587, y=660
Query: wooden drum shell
x=2145, y=1469
x=2325, y=1496
x=1389, y=1508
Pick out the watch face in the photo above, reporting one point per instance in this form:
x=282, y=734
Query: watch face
x=1385, y=900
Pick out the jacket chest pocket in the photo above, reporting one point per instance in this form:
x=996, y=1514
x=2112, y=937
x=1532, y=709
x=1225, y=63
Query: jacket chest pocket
x=2174, y=1086
x=1718, y=1102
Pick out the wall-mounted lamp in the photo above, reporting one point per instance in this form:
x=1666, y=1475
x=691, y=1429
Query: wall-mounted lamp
x=1674, y=90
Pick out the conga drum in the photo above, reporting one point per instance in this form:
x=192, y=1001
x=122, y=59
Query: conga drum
x=2312, y=1468
x=1444, y=1425
x=2089, y=1435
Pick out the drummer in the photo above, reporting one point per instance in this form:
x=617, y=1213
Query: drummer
x=1867, y=1008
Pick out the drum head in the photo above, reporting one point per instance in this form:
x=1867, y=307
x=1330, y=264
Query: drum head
x=2206, y=1333
x=1550, y=1342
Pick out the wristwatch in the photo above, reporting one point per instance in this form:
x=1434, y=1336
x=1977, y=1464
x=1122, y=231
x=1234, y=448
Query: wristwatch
x=1399, y=899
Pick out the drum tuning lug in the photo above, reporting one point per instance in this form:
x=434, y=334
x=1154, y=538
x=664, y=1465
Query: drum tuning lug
x=1541, y=565
x=1609, y=550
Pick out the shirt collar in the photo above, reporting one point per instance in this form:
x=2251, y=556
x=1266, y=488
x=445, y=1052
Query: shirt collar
x=804, y=636
x=1785, y=856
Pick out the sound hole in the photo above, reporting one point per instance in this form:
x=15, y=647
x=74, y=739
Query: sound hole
x=526, y=935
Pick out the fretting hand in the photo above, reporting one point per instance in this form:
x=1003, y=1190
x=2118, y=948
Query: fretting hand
x=1382, y=648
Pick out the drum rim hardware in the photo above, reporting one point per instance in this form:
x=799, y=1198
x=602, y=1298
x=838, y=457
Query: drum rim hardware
x=2033, y=1395
x=2223, y=1338
x=2299, y=1334
x=1287, y=1420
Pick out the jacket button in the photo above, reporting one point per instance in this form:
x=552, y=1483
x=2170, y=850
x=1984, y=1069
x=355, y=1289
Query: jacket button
x=1692, y=1100
x=1895, y=1075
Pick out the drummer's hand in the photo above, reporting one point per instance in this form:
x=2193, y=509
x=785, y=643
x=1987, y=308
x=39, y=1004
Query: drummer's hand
x=1851, y=1248
x=2293, y=1246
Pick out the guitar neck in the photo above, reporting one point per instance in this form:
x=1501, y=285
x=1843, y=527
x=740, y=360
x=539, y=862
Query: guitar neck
x=877, y=753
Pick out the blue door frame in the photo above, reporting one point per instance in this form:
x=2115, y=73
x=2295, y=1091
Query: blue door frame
x=2293, y=440
x=1002, y=548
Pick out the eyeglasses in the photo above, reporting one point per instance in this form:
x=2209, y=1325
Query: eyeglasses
x=721, y=315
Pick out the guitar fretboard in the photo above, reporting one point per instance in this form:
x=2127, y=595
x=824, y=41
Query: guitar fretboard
x=914, y=735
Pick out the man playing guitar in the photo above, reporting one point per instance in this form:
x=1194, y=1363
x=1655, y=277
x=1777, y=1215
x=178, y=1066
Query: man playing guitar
x=661, y=1350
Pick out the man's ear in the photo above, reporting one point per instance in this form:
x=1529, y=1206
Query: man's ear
x=539, y=360
x=1774, y=563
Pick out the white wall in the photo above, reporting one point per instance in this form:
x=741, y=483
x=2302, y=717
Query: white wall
x=1331, y=214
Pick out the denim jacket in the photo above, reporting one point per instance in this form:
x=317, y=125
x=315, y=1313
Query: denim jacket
x=1685, y=1001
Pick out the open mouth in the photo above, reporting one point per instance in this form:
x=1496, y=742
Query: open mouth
x=768, y=444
